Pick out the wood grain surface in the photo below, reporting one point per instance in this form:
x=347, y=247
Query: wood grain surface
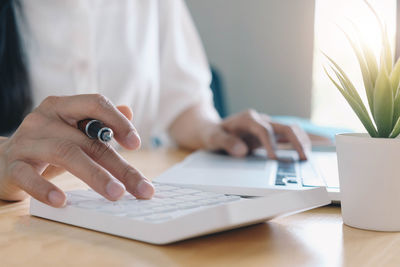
x=313, y=238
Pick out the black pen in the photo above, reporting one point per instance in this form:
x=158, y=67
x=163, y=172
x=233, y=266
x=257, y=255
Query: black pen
x=95, y=129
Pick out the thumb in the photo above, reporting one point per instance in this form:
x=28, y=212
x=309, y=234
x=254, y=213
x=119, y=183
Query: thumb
x=232, y=144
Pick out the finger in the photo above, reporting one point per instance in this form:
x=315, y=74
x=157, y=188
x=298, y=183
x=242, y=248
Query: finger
x=293, y=137
x=69, y=155
x=25, y=177
x=107, y=157
x=251, y=141
x=75, y=108
x=264, y=132
x=228, y=142
x=282, y=139
x=52, y=171
x=127, y=111
x=303, y=137
x=251, y=122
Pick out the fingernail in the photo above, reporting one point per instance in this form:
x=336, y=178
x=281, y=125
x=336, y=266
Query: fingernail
x=56, y=198
x=145, y=189
x=239, y=149
x=115, y=189
x=133, y=139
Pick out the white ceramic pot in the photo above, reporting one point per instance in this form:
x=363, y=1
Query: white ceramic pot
x=369, y=176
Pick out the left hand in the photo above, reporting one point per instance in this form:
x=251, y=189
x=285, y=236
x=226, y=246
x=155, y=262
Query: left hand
x=241, y=133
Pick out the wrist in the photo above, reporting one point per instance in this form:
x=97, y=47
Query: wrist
x=208, y=132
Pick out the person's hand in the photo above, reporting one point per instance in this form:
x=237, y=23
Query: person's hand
x=48, y=141
x=241, y=133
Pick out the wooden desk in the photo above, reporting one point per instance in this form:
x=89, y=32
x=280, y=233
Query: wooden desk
x=313, y=238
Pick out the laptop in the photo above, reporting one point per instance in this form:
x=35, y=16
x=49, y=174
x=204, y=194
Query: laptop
x=255, y=175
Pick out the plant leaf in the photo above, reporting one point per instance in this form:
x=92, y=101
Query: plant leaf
x=344, y=80
x=396, y=106
x=369, y=56
x=396, y=129
x=363, y=116
x=349, y=87
x=369, y=83
x=395, y=78
x=383, y=104
x=388, y=51
x=371, y=63
x=386, y=58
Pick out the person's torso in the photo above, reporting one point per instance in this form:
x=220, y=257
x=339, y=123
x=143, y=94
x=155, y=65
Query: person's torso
x=95, y=46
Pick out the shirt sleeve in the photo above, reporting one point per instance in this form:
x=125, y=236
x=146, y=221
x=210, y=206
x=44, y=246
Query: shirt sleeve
x=184, y=71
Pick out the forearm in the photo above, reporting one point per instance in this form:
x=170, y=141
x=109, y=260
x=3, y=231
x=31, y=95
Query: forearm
x=192, y=127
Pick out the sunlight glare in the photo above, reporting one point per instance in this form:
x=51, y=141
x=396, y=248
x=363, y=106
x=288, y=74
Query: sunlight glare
x=329, y=106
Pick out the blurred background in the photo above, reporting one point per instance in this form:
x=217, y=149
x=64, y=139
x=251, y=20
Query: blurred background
x=266, y=54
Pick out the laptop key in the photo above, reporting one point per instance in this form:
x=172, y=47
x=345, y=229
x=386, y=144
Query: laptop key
x=291, y=180
x=279, y=180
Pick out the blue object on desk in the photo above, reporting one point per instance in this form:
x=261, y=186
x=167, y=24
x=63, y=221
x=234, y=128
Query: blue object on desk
x=311, y=128
x=217, y=87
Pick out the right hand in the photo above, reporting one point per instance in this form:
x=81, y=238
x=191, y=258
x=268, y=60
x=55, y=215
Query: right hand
x=48, y=141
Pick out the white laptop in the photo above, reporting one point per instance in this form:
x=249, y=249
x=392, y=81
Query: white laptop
x=255, y=175
x=206, y=193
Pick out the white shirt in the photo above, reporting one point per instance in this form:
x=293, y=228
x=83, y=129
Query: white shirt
x=145, y=54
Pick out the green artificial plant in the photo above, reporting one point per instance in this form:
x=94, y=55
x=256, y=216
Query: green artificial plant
x=381, y=83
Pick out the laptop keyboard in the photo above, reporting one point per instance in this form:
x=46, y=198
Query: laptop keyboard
x=168, y=203
x=286, y=172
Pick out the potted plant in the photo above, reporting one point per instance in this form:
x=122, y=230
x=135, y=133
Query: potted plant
x=369, y=164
